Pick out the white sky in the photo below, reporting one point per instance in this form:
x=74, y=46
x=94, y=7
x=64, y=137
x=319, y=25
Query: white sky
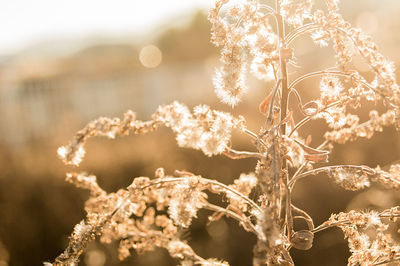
x=23, y=22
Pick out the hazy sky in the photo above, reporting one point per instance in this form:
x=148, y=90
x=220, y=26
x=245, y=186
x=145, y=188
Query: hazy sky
x=23, y=22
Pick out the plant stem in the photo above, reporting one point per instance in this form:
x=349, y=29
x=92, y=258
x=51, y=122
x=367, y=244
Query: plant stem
x=284, y=97
x=283, y=66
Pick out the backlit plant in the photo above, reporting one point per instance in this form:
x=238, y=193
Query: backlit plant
x=253, y=38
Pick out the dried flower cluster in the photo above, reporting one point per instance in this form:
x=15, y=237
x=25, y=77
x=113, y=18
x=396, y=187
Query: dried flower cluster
x=150, y=211
x=366, y=233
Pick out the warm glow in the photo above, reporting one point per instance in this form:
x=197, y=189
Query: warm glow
x=150, y=56
x=25, y=22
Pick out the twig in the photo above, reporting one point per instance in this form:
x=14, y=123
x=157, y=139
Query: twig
x=363, y=168
x=304, y=216
x=234, y=154
x=206, y=181
x=230, y=213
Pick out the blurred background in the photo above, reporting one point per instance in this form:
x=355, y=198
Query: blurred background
x=64, y=63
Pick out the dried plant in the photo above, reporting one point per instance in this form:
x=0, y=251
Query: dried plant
x=254, y=34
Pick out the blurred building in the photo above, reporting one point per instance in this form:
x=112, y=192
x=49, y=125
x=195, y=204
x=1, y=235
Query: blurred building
x=41, y=95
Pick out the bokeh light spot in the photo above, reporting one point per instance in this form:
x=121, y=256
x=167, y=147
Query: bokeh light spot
x=218, y=230
x=95, y=258
x=150, y=56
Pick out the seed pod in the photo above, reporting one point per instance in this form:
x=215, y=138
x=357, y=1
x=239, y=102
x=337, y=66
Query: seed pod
x=310, y=108
x=302, y=239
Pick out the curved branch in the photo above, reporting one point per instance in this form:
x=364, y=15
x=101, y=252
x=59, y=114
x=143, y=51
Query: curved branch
x=363, y=168
x=342, y=74
x=300, y=30
x=300, y=169
x=159, y=181
x=389, y=213
x=312, y=26
x=212, y=207
x=317, y=73
x=305, y=216
x=336, y=73
x=308, y=118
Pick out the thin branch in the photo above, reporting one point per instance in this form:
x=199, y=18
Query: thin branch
x=342, y=74
x=309, y=117
x=255, y=137
x=300, y=169
x=267, y=7
x=301, y=123
x=206, y=181
x=304, y=216
x=234, y=154
x=212, y=207
x=312, y=26
x=325, y=225
x=318, y=73
x=297, y=94
x=388, y=261
x=363, y=168
x=288, y=210
x=336, y=73
x=298, y=31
